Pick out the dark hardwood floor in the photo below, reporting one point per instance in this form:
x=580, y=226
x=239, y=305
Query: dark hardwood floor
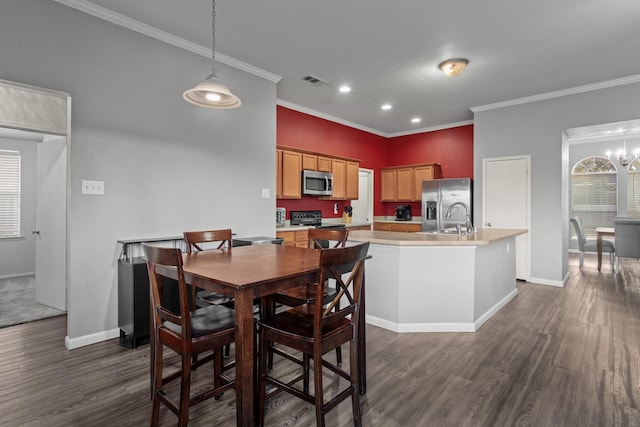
x=552, y=357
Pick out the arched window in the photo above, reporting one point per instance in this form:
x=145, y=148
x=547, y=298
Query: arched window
x=594, y=193
x=633, y=189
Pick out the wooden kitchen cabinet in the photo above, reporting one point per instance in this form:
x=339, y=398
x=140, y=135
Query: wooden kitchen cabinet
x=353, y=181
x=421, y=173
x=401, y=227
x=278, y=174
x=324, y=164
x=299, y=238
x=291, y=172
x=309, y=162
x=404, y=183
x=291, y=162
x=388, y=185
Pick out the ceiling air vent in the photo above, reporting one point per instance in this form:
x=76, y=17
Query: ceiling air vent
x=314, y=80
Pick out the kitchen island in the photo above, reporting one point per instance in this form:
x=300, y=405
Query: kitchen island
x=428, y=282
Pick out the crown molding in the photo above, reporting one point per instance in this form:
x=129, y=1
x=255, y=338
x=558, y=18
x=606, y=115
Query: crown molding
x=315, y=113
x=147, y=30
x=559, y=93
x=431, y=129
x=318, y=114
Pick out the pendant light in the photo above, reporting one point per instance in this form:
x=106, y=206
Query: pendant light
x=211, y=93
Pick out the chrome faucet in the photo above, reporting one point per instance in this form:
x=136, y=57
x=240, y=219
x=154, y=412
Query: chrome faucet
x=467, y=224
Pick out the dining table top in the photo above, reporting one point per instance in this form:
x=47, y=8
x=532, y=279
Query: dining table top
x=250, y=266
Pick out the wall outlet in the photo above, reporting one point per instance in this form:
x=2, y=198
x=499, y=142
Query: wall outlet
x=92, y=187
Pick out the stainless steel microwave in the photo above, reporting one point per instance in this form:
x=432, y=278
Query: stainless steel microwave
x=316, y=183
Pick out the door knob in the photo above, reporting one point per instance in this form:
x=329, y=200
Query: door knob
x=489, y=224
x=36, y=231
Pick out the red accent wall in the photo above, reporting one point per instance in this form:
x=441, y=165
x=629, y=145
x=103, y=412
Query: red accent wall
x=299, y=130
x=452, y=148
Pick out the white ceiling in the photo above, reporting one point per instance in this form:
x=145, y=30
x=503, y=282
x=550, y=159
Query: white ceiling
x=388, y=51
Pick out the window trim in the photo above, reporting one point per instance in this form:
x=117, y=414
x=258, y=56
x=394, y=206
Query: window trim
x=12, y=160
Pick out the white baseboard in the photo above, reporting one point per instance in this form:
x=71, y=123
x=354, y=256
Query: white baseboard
x=493, y=310
x=556, y=283
x=441, y=327
x=11, y=276
x=72, y=343
x=419, y=327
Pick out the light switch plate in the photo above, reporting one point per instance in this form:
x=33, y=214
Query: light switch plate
x=266, y=193
x=92, y=187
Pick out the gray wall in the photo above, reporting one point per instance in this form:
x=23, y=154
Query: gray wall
x=168, y=166
x=536, y=129
x=18, y=257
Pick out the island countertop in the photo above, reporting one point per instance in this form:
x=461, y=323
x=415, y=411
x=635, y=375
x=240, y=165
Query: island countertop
x=484, y=236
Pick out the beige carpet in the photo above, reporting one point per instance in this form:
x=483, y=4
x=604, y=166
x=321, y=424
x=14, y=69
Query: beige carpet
x=18, y=302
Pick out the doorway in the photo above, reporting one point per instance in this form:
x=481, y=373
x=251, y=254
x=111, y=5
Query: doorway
x=44, y=115
x=363, y=207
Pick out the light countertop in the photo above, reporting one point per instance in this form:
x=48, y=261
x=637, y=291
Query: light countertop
x=484, y=236
x=289, y=227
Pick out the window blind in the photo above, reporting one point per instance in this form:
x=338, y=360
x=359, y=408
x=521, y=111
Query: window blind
x=594, y=200
x=633, y=194
x=9, y=193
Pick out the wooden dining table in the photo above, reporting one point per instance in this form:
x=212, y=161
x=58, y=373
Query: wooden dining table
x=246, y=273
x=600, y=232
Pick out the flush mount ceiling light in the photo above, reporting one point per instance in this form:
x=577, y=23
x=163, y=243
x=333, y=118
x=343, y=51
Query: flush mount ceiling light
x=211, y=93
x=386, y=107
x=453, y=67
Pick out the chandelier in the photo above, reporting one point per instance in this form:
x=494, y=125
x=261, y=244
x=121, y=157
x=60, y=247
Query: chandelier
x=210, y=92
x=623, y=157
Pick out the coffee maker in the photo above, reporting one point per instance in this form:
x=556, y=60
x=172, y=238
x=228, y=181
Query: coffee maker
x=403, y=213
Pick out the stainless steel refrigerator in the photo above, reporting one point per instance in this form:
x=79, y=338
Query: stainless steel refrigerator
x=438, y=196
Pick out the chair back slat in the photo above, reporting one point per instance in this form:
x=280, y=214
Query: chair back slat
x=167, y=257
x=335, y=264
x=195, y=239
x=320, y=238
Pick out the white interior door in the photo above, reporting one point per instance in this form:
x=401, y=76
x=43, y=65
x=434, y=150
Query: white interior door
x=506, y=202
x=51, y=222
x=363, y=207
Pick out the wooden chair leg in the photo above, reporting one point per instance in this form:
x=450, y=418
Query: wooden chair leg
x=157, y=384
x=218, y=362
x=305, y=373
x=355, y=382
x=185, y=389
x=262, y=371
x=317, y=383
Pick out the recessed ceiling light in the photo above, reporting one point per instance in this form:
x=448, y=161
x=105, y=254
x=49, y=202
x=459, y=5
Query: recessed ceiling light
x=416, y=120
x=386, y=106
x=345, y=89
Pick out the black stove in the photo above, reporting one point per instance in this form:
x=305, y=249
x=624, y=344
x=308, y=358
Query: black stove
x=311, y=218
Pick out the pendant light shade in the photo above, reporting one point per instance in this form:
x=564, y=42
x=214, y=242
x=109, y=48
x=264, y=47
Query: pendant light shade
x=210, y=93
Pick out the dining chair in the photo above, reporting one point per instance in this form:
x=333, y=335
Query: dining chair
x=314, y=330
x=186, y=332
x=590, y=245
x=319, y=238
x=627, y=238
x=197, y=241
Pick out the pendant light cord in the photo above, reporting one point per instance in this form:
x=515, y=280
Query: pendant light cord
x=213, y=40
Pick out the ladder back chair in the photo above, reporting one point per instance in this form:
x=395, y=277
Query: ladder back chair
x=186, y=332
x=319, y=238
x=197, y=241
x=315, y=329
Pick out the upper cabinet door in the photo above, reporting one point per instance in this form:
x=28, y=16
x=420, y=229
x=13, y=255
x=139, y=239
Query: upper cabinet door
x=351, y=190
x=339, y=171
x=309, y=162
x=291, y=175
x=388, y=185
x=420, y=174
x=404, y=181
x=278, y=174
